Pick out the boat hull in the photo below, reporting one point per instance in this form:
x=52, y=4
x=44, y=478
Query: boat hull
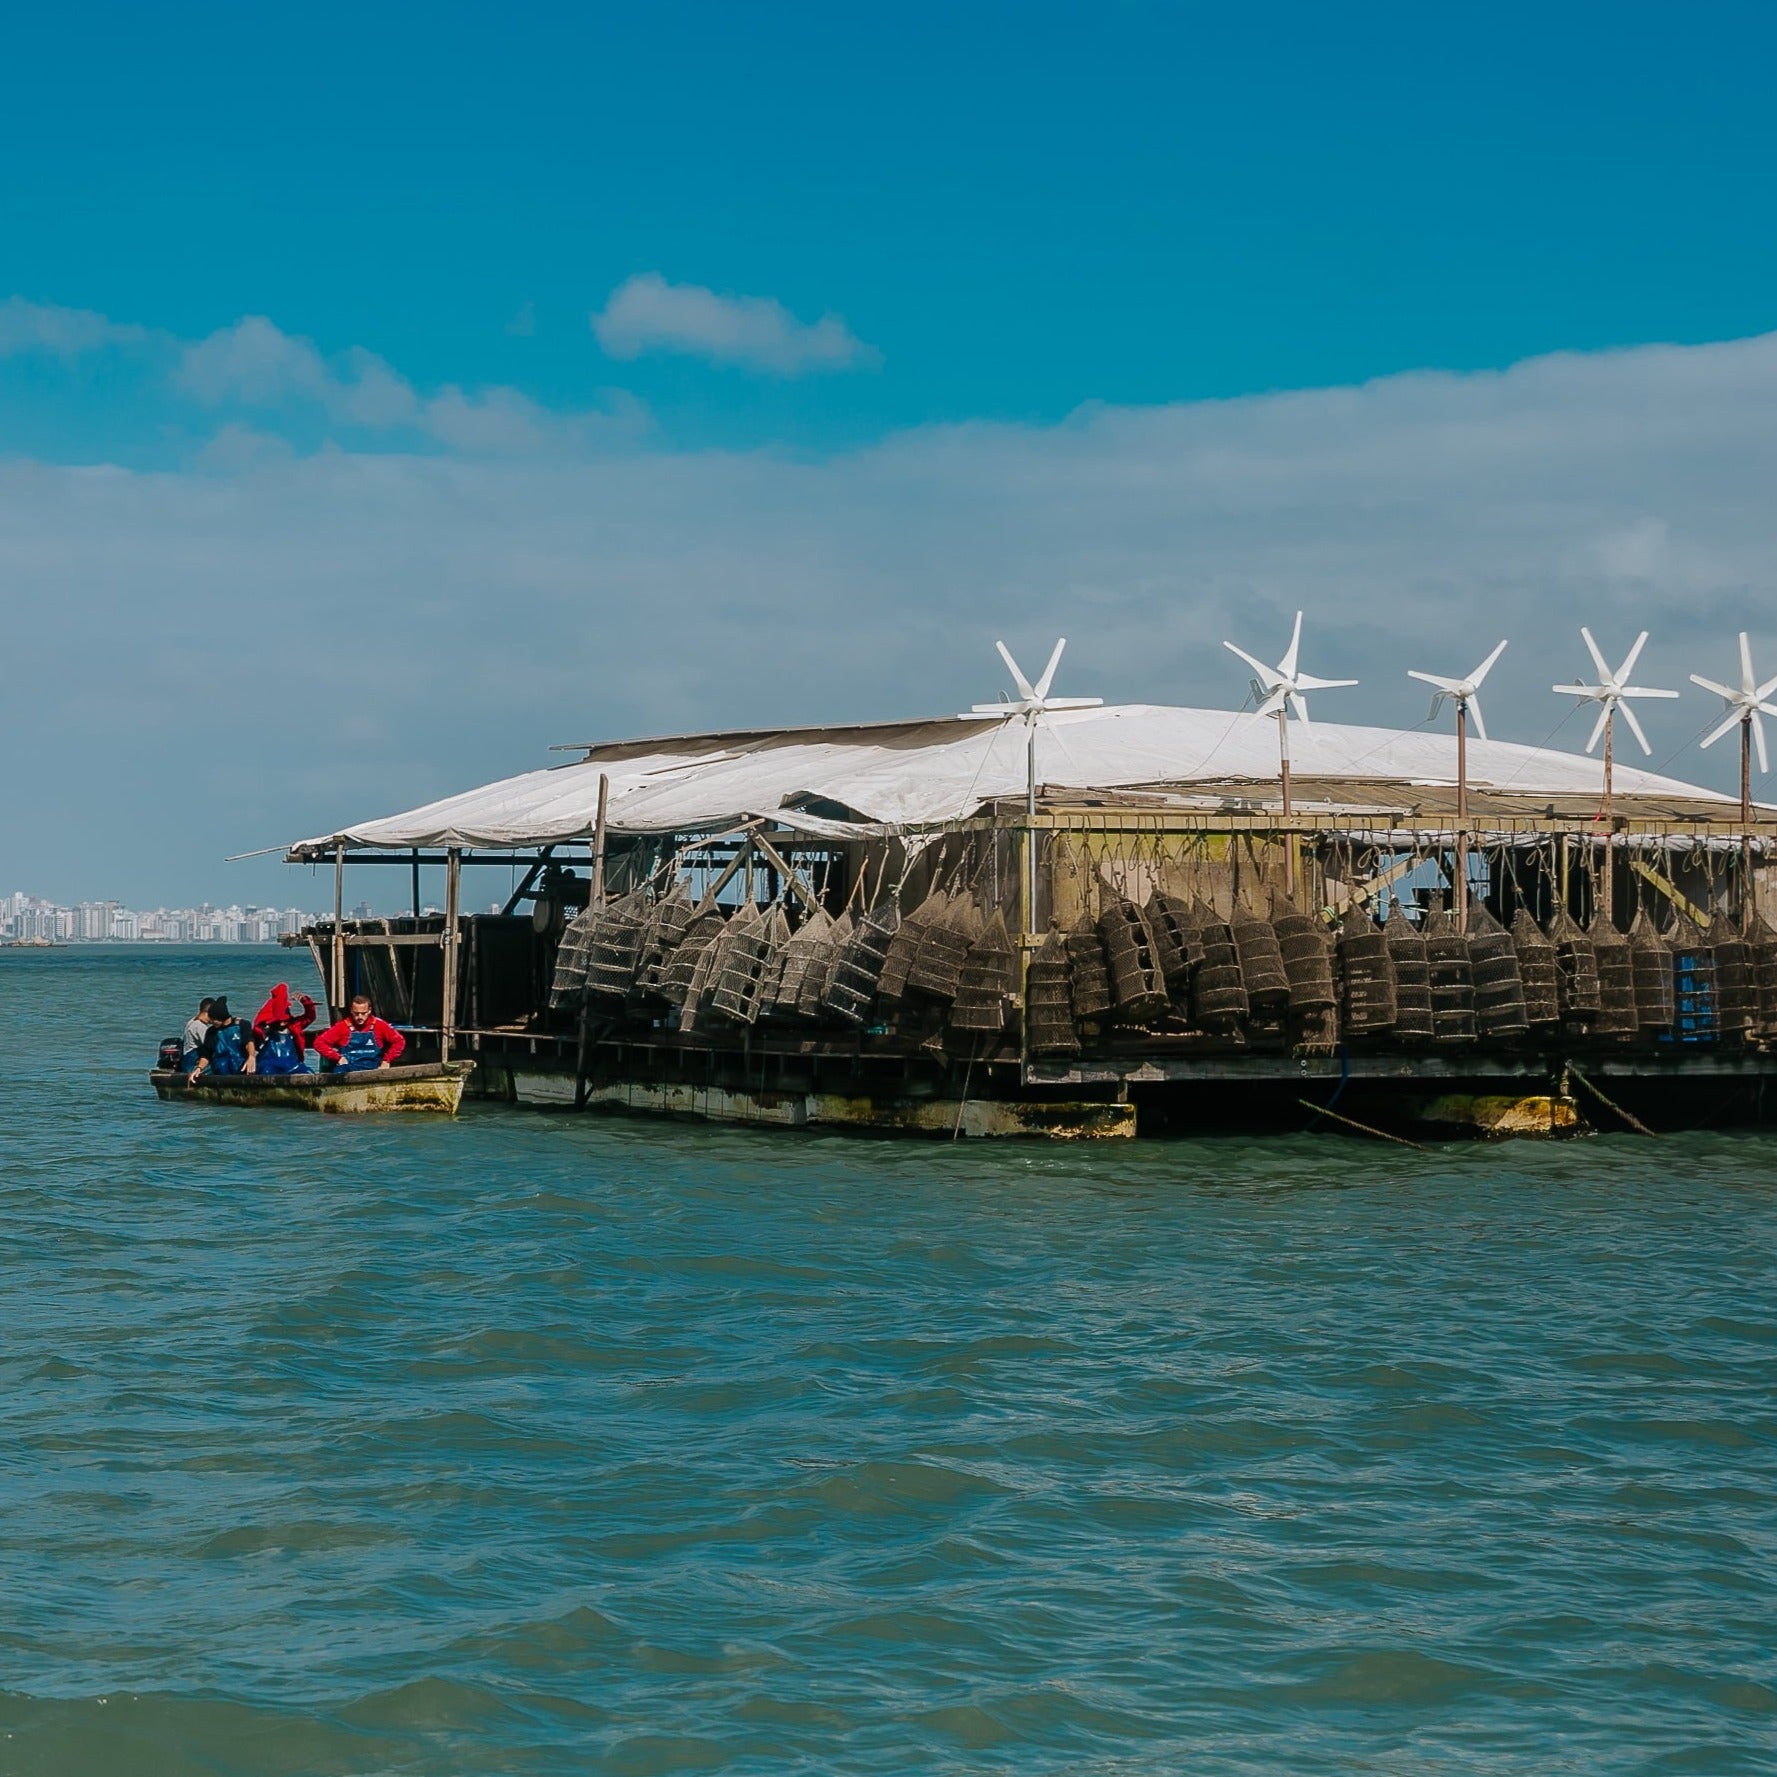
x=384, y=1089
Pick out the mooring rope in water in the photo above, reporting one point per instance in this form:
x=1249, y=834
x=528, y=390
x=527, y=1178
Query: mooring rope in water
x=1308, y=1104
x=1634, y=1122
x=962, y=1103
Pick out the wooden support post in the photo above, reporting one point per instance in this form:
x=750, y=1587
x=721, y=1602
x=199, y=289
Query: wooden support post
x=598, y=844
x=453, y=886
x=336, y=989
x=792, y=877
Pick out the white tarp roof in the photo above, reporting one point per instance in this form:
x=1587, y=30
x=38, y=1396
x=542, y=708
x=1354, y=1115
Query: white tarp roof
x=923, y=772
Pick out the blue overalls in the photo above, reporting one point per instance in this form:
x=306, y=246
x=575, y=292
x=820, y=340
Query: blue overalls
x=231, y=1049
x=279, y=1054
x=359, y=1051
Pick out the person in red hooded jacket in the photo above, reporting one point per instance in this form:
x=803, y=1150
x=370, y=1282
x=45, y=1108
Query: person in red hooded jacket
x=278, y=1033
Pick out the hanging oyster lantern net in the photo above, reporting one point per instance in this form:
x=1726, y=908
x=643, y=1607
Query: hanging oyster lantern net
x=1450, y=978
x=1650, y=958
x=1049, y=1012
x=1412, y=979
x=1617, y=1013
x=1367, y=971
x=1218, y=989
x=1538, y=968
x=1500, y=1009
x=1137, y=983
x=988, y=983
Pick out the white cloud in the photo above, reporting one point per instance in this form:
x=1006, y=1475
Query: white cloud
x=60, y=332
x=495, y=605
x=256, y=363
x=647, y=314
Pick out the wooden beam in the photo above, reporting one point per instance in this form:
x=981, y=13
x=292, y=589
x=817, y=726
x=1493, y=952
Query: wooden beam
x=789, y=872
x=1670, y=890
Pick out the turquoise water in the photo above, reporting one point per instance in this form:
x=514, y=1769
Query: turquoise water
x=541, y=1444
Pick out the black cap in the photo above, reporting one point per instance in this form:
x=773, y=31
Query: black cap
x=219, y=1008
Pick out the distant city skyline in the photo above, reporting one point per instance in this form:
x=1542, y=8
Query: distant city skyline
x=26, y=918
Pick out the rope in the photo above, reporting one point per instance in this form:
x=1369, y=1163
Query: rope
x=962, y=1103
x=1400, y=1141
x=1633, y=1122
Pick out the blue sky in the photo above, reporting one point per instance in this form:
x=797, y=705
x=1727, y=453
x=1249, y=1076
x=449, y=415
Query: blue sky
x=881, y=260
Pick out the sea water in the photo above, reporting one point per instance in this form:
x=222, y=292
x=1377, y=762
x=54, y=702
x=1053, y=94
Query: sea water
x=531, y=1443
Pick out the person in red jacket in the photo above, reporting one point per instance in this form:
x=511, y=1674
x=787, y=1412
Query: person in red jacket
x=361, y=1040
x=277, y=1031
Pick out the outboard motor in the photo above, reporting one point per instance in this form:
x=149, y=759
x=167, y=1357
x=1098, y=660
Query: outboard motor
x=172, y=1051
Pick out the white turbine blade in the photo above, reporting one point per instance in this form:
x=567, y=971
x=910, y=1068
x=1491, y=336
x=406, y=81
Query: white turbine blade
x=1482, y=670
x=1474, y=715
x=1644, y=691
x=1048, y=677
x=1300, y=705
x=1630, y=717
x=1592, y=649
x=1730, y=720
x=1598, y=727
x=1073, y=703
x=1719, y=690
x=1748, y=683
x=1433, y=679
x=1287, y=666
x=1307, y=682
x=1631, y=657
x=1758, y=740
x=987, y=712
x=1588, y=692
x=1269, y=676
x=1018, y=678
x=1765, y=690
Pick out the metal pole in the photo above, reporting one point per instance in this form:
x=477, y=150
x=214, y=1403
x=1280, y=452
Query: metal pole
x=1462, y=814
x=337, y=988
x=1747, y=893
x=1028, y=921
x=453, y=883
x=1610, y=731
x=598, y=844
x=1030, y=834
x=1289, y=841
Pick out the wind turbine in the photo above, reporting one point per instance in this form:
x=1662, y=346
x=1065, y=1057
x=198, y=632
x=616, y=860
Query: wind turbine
x=1281, y=689
x=1464, y=693
x=1612, y=695
x=1034, y=702
x=1745, y=707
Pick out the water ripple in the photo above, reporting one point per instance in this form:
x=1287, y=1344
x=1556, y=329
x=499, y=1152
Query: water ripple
x=539, y=1445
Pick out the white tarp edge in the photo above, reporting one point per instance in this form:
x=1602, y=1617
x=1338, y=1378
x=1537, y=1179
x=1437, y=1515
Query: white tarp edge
x=944, y=770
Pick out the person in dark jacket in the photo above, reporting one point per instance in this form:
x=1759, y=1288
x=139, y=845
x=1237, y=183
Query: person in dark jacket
x=228, y=1045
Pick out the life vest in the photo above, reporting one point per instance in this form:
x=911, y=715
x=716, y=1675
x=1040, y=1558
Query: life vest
x=231, y=1049
x=360, y=1050
x=279, y=1054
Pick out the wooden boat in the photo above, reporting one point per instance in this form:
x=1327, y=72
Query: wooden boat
x=422, y=1088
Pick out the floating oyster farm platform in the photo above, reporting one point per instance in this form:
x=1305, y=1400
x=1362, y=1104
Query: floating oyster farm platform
x=910, y=926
